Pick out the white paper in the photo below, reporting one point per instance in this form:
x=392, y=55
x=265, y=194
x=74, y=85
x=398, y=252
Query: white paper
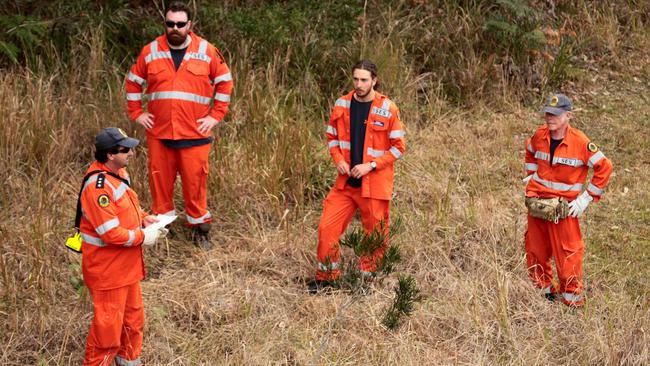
x=164, y=220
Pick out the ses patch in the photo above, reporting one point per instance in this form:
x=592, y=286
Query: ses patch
x=103, y=201
x=592, y=147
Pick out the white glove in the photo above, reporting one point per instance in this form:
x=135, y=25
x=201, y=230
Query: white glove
x=578, y=206
x=151, y=235
x=527, y=179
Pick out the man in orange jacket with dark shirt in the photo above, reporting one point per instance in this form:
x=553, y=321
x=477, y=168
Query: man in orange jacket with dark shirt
x=112, y=235
x=558, y=158
x=184, y=74
x=365, y=137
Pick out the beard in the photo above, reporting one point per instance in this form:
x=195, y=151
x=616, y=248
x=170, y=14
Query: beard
x=361, y=93
x=176, y=38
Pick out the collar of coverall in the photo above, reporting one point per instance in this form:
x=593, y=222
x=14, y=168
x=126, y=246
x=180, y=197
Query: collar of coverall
x=101, y=166
x=375, y=102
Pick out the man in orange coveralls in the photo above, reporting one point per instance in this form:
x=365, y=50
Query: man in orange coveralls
x=365, y=137
x=557, y=161
x=112, y=235
x=184, y=74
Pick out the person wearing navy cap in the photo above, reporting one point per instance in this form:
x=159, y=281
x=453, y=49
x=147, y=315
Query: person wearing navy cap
x=557, y=162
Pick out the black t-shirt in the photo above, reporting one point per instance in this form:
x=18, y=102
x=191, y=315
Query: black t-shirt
x=358, y=116
x=554, y=145
x=177, y=56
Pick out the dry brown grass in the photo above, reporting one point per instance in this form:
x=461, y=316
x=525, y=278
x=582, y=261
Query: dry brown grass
x=458, y=193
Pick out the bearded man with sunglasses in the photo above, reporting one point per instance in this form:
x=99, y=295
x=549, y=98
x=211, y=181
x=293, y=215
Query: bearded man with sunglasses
x=188, y=87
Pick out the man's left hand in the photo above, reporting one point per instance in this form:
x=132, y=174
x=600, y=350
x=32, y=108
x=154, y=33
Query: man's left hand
x=206, y=124
x=360, y=170
x=148, y=220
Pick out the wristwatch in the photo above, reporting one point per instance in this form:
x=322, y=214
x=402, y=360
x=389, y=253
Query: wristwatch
x=373, y=165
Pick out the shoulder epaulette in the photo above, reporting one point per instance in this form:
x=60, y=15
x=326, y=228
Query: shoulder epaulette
x=100, y=180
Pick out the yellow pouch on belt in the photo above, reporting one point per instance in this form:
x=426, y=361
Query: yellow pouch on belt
x=74, y=242
x=551, y=209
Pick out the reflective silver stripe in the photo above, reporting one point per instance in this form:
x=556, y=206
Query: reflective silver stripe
x=108, y=225
x=332, y=131
x=222, y=78
x=170, y=213
x=342, y=103
x=367, y=273
x=395, y=134
x=386, y=105
x=198, y=56
x=571, y=297
x=222, y=97
x=157, y=55
x=595, y=190
x=203, y=46
x=547, y=290
x=90, y=181
x=119, y=191
x=328, y=266
x=154, y=54
x=131, y=238
x=199, y=220
x=135, y=78
x=333, y=143
x=556, y=185
x=530, y=166
x=375, y=153
x=133, y=96
x=542, y=155
x=345, y=144
x=595, y=159
x=179, y=95
x=568, y=161
x=124, y=362
x=530, y=148
x=396, y=153
x=92, y=240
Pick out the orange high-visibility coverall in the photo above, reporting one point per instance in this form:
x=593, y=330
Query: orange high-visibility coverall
x=562, y=177
x=112, y=267
x=177, y=99
x=384, y=144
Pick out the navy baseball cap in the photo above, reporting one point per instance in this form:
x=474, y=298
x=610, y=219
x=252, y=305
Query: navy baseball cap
x=556, y=104
x=113, y=136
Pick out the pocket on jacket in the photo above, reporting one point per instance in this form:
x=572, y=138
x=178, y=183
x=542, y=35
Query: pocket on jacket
x=198, y=68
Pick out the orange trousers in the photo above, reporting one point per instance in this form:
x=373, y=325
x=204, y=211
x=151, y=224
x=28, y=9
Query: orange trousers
x=192, y=165
x=339, y=208
x=563, y=241
x=116, y=330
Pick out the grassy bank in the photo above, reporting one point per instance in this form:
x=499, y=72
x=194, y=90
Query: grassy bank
x=467, y=112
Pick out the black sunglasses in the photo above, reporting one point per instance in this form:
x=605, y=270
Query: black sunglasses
x=171, y=24
x=121, y=150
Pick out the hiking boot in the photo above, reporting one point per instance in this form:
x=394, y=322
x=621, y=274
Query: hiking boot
x=201, y=236
x=317, y=286
x=552, y=297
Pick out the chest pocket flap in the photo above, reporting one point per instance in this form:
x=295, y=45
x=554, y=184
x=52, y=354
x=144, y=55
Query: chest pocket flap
x=198, y=68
